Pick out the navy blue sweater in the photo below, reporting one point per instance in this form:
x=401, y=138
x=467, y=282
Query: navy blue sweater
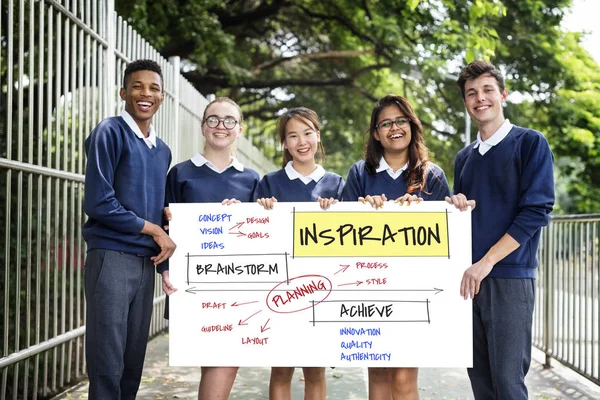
x=188, y=183
x=278, y=185
x=513, y=184
x=360, y=184
x=124, y=187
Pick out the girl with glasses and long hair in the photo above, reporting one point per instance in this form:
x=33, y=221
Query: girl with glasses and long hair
x=213, y=176
x=300, y=179
x=396, y=167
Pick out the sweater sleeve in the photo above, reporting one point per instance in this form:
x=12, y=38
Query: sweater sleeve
x=353, y=189
x=459, y=161
x=103, y=149
x=263, y=190
x=437, y=184
x=340, y=189
x=172, y=191
x=536, y=198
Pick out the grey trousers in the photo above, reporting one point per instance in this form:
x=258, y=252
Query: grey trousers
x=119, y=295
x=502, y=321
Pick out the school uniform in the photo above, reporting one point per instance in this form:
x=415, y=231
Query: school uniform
x=510, y=176
x=289, y=185
x=124, y=187
x=198, y=181
x=361, y=183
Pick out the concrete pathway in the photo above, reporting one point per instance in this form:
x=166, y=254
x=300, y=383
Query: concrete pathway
x=161, y=382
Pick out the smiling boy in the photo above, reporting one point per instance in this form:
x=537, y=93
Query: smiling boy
x=508, y=171
x=124, y=196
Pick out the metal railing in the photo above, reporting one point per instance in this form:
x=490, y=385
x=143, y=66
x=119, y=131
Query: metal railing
x=567, y=310
x=61, y=67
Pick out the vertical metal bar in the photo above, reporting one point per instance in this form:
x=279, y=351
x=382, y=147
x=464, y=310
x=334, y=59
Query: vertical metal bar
x=581, y=315
x=67, y=101
x=31, y=76
x=48, y=213
x=55, y=247
x=9, y=119
x=586, y=283
x=109, y=68
x=74, y=92
x=83, y=91
x=38, y=261
x=19, y=210
x=563, y=283
x=595, y=272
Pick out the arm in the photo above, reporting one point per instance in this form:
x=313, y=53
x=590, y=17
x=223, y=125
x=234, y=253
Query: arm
x=471, y=281
x=353, y=188
x=263, y=189
x=103, y=150
x=340, y=189
x=537, y=190
x=536, y=201
x=437, y=184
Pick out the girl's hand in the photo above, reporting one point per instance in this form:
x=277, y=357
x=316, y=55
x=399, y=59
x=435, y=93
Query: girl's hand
x=374, y=201
x=326, y=203
x=460, y=201
x=408, y=198
x=228, y=202
x=168, y=217
x=267, y=203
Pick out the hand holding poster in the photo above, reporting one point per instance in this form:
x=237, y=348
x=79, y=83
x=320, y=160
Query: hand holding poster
x=298, y=286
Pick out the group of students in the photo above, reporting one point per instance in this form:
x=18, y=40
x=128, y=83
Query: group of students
x=126, y=177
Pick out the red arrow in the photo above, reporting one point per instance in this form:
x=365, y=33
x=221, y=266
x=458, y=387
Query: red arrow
x=238, y=226
x=237, y=233
x=264, y=327
x=357, y=283
x=344, y=268
x=244, y=321
x=235, y=304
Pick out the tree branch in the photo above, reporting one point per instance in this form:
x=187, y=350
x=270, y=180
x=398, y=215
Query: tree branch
x=259, y=13
x=333, y=54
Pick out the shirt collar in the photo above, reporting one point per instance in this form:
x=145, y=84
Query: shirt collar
x=497, y=137
x=384, y=166
x=292, y=174
x=199, y=160
x=151, y=139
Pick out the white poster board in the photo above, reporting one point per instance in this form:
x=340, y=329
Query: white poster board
x=298, y=286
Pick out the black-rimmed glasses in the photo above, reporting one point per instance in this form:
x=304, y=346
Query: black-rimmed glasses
x=387, y=124
x=212, y=121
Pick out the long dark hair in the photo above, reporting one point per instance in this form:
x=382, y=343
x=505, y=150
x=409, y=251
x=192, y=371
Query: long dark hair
x=307, y=116
x=418, y=154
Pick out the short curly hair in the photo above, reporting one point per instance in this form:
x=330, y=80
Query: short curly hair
x=141, y=65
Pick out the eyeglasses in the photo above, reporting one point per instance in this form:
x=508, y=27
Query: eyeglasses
x=387, y=124
x=228, y=122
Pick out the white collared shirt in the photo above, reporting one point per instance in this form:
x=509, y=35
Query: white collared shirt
x=199, y=160
x=292, y=174
x=150, y=140
x=497, y=137
x=384, y=166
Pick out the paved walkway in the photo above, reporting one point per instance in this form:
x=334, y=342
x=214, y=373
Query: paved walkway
x=161, y=382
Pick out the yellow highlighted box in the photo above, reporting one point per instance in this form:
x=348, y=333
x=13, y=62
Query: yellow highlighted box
x=373, y=234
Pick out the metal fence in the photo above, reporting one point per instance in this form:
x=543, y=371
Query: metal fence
x=61, y=64
x=567, y=310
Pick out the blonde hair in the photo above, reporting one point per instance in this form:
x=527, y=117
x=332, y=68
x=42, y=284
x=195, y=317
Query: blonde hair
x=224, y=100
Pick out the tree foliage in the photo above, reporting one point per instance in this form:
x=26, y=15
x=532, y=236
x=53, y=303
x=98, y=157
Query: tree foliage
x=339, y=56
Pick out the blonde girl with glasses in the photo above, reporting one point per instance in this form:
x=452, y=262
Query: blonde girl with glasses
x=300, y=179
x=213, y=176
x=396, y=167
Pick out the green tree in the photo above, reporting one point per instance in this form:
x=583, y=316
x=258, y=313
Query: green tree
x=339, y=56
